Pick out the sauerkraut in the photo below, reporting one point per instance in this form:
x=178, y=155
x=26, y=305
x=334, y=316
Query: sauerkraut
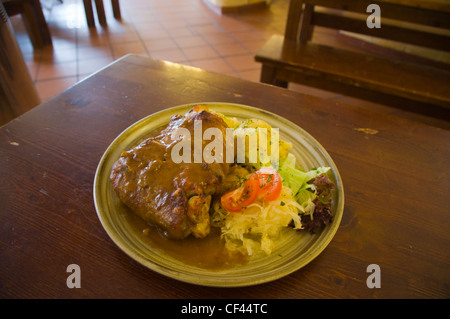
x=259, y=226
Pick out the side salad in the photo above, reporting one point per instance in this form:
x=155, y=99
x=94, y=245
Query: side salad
x=261, y=200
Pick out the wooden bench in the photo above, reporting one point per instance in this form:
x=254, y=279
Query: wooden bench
x=390, y=80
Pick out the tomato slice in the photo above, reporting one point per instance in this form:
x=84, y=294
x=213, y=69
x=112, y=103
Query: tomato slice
x=265, y=184
x=269, y=184
x=237, y=200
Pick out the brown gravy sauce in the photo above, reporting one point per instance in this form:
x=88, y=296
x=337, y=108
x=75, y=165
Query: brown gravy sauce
x=208, y=253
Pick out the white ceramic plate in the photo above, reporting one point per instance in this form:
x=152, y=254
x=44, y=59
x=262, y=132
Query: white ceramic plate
x=294, y=251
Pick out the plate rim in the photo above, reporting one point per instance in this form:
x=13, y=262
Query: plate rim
x=171, y=273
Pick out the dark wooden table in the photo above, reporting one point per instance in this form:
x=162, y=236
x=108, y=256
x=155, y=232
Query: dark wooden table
x=395, y=174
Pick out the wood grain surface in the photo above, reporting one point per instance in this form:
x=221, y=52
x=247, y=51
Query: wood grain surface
x=395, y=174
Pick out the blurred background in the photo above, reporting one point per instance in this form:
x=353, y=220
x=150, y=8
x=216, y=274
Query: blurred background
x=199, y=33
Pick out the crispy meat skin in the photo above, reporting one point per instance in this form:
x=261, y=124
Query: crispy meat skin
x=174, y=197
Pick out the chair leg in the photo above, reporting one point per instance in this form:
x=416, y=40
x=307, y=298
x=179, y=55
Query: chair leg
x=42, y=23
x=100, y=12
x=116, y=9
x=268, y=75
x=31, y=25
x=89, y=13
x=306, y=28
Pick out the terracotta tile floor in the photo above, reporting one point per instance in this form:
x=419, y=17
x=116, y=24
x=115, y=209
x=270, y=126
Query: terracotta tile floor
x=183, y=31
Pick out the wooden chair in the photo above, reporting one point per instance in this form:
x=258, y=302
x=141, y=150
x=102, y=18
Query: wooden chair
x=384, y=79
x=17, y=91
x=33, y=19
x=100, y=11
